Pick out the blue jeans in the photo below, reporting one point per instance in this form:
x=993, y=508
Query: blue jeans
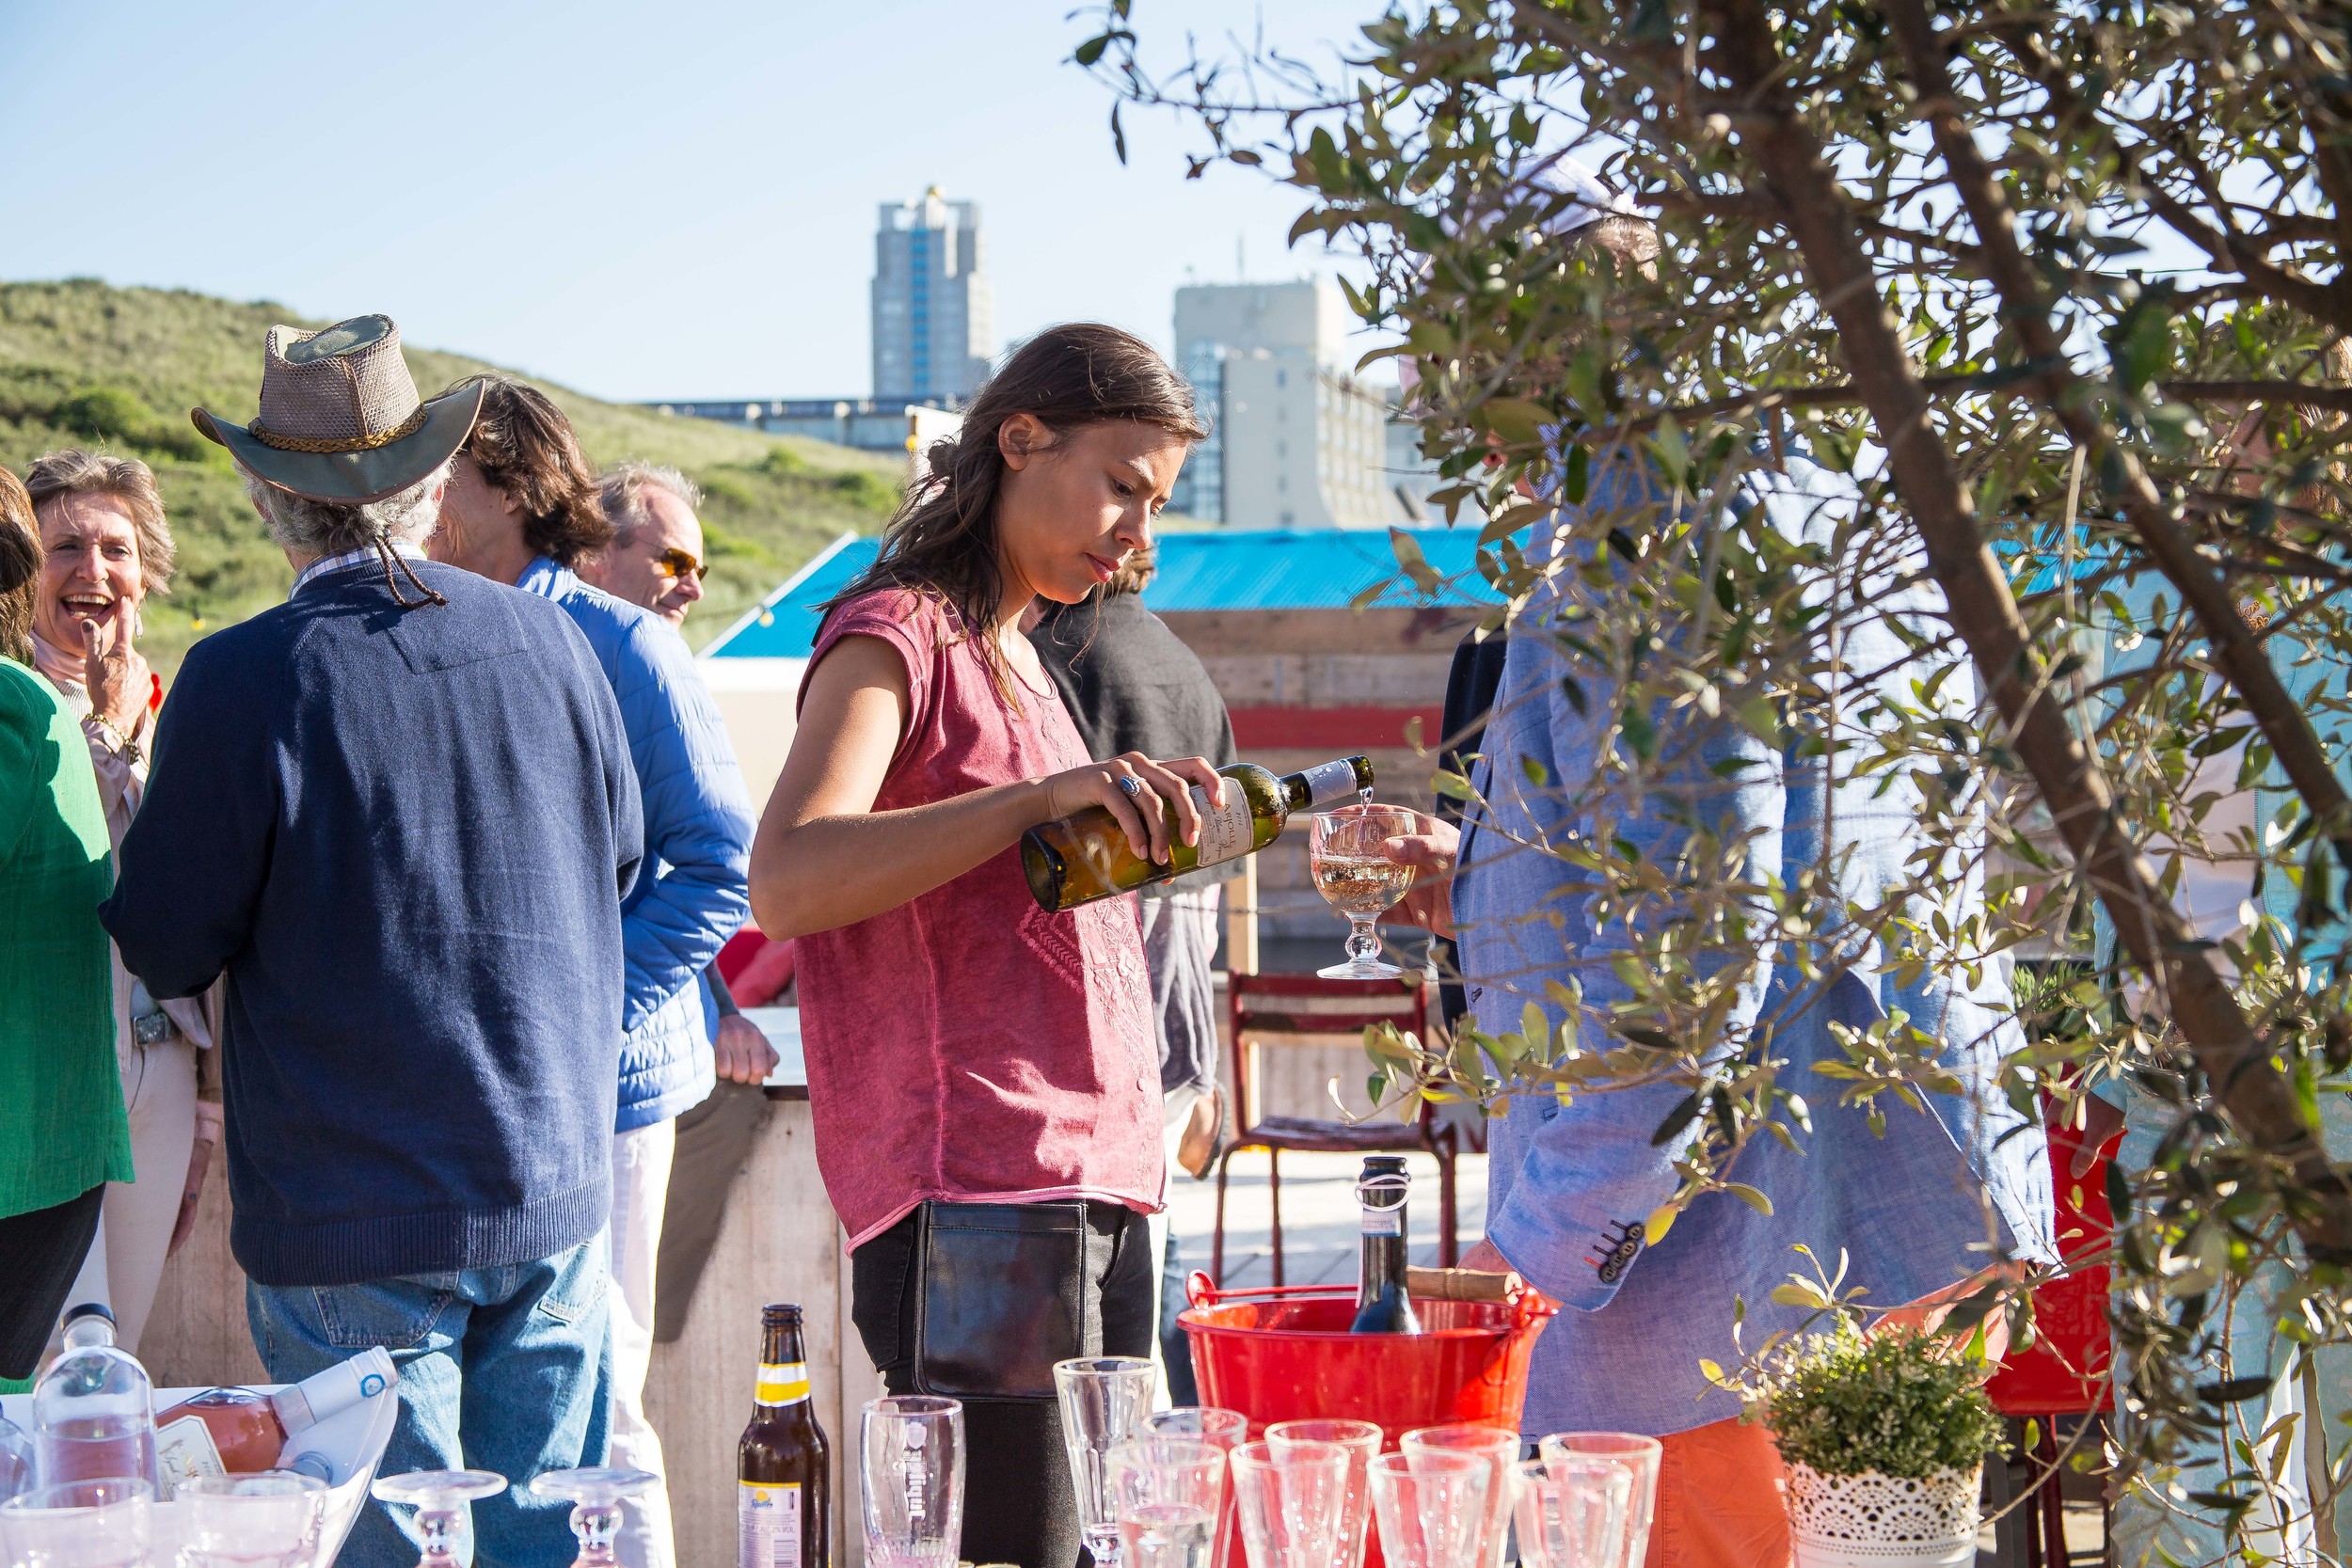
x=499, y=1370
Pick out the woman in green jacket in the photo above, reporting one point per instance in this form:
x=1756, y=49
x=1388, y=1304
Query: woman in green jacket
x=63, y=1136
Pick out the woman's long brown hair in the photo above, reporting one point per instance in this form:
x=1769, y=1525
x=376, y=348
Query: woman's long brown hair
x=943, y=541
x=19, y=566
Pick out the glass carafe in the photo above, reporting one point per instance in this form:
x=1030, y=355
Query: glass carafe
x=94, y=1409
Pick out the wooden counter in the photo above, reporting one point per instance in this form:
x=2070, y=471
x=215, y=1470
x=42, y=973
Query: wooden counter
x=779, y=1242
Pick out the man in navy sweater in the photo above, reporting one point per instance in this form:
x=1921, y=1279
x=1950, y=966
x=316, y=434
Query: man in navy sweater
x=397, y=812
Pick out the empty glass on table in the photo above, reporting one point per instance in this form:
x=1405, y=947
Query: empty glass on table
x=440, y=1499
x=914, y=1457
x=1361, y=1440
x=1432, y=1507
x=1500, y=1448
x=1572, y=1512
x=596, y=1494
x=1167, y=1495
x=1227, y=1429
x=264, y=1519
x=1293, y=1502
x=1640, y=1456
x=1103, y=1401
x=101, y=1523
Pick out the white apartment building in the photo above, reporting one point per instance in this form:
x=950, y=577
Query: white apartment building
x=934, y=319
x=1295, y=440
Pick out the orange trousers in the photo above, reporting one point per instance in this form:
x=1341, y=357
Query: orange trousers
x=1719, y=1500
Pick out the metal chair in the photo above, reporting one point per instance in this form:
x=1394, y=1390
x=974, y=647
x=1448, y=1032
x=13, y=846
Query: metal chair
x=1275, y=1009
x=2065, y=1372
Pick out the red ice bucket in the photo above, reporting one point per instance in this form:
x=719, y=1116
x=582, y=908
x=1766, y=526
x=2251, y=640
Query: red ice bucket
x=1283, y=1354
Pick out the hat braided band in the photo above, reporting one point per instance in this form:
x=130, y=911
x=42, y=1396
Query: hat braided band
x=406, y=427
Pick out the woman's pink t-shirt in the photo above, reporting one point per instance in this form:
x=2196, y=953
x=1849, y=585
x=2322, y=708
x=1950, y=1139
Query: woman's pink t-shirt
x=968, y=1045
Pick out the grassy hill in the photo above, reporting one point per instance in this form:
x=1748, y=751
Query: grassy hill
x=85, y=364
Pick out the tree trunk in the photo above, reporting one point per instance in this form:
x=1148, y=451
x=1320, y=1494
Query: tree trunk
x=1813, y=211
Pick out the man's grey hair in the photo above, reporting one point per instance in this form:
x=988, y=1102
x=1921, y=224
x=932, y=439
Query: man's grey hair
x=621, y=491
x=326, y=528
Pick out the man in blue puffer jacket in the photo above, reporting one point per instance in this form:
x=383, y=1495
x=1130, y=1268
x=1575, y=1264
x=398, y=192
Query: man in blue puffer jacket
x=521, y=508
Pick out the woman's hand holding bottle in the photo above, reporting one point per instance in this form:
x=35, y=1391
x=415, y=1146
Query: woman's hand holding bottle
x=1130, y=787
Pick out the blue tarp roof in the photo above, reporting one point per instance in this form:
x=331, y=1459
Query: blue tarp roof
x=1244, y=569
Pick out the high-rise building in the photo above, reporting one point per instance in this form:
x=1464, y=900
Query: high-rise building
x=935, y=319
x=1295, y=440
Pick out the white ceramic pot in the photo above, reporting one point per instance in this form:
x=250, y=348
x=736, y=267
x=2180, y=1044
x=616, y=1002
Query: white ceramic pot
x=1877, y=1521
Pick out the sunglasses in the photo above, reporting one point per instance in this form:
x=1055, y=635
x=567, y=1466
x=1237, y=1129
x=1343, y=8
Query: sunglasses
x=675, y=563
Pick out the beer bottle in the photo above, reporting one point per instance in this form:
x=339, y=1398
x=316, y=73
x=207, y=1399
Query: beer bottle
x=1381, y=1304
x=782, y=1467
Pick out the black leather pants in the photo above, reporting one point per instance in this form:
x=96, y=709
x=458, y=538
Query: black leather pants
x=1018, y=1506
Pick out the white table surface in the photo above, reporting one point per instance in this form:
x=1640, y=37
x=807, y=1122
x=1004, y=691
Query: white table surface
x=781, y=1025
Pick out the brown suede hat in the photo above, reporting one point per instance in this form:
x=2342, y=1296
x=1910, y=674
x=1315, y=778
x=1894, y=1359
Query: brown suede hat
x=341, y=421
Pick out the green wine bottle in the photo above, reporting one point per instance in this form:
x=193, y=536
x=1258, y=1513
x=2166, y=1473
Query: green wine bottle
x=1085, y=856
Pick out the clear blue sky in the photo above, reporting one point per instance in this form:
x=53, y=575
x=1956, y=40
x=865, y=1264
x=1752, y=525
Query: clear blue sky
x=664, y=198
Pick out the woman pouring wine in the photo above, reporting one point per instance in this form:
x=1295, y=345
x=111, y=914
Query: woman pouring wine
x=983, y=1073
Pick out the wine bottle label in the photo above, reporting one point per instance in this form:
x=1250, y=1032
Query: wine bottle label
x=1384, y=1222
x=781, y=1385
x=185, y=1450
x=769, y=1525
x=1225, y=834
x=1333, y=780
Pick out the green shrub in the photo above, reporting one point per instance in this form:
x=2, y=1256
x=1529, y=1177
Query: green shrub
x=1898, y=1403
x=104, y=414
x=869, y=491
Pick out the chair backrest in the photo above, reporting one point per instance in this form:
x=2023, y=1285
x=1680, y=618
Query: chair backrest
x=1293, y=1009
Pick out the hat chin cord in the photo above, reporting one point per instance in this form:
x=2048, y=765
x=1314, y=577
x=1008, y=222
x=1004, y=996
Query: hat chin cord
x=388, y=557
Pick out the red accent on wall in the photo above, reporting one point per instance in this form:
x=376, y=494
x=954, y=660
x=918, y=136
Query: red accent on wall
x=1329, y=728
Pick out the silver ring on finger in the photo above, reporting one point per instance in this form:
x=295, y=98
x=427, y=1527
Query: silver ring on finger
x=1132, y=786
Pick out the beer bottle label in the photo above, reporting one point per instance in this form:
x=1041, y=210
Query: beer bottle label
x=784, y=1384
x=769, y=1518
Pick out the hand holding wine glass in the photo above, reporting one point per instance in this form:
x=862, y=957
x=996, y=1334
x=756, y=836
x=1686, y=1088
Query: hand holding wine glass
x=1348, y=852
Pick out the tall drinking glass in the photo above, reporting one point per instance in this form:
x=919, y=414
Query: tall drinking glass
x=1572, y=1514
x=1347, y=852
x=1167, y=1495
x=79, y=1524
x=1225, y=1429
x=1432, y=1507
x=440, y=1499
x=1500, y=1448
x=596, y=1494
x=1104, y=1401
x=913, y=1459
x=270, y=1519
x=1293, y=1502
x=1640, y=1456
x=1361, y=1440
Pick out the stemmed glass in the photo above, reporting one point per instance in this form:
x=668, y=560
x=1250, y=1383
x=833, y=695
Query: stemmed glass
x=913, y=1458
x=1500, y=1448
x=1432, y=1505
x=1293, y=1501
x=1572, y=1512
x=440, y=1497
x=1167, y=1495
x=269, y=1519
x=1640, y=1456
x=79, y=1524
x=1347, y=852
x=596, y=1494
x=1360, y=1440
x=1226, y=1430
x=1104, y=1401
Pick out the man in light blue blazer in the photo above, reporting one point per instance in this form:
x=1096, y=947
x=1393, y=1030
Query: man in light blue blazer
x=1944, y=1194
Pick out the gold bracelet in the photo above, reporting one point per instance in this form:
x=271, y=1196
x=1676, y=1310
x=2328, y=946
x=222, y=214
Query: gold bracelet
x=117, y=742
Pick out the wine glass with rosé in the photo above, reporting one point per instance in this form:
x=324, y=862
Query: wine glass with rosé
x=1348, y=853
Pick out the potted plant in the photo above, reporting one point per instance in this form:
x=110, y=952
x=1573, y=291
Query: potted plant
x=1885, y=1437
